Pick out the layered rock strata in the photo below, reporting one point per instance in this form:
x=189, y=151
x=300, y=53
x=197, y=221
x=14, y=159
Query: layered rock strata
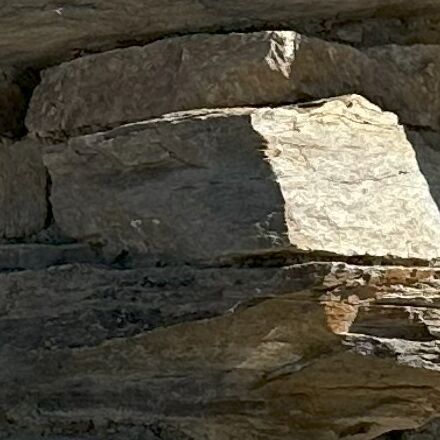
x=210, y=230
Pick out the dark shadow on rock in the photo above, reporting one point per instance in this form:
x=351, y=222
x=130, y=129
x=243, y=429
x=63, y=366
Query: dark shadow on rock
x=430, y=431
x=426, y=144
x=182, y=190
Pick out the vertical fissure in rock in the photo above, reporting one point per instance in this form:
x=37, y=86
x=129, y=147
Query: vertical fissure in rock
x=49, y=216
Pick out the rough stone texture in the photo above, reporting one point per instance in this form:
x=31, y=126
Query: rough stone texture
x=42, y=31
x=225, y=272
x=15, y=89
x=203, y=71
x=431, y=431
x=408, y=30
x=22, y=190
x=216, y=353
x=332, y=176
x=37, y=255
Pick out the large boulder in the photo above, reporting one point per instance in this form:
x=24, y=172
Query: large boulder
x=337, y=176
x=210, y=71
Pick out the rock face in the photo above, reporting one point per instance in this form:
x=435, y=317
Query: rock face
x=224, y=235
x=254, y=181
x=22, y=190
x=230, y=70
x=38, y=31
x=15, y=86
x=110, y=354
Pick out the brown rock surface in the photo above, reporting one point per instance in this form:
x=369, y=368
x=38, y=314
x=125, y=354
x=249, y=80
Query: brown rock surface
x=215, y=353
x=205, y=71
x=333, y=176
x=258, y=262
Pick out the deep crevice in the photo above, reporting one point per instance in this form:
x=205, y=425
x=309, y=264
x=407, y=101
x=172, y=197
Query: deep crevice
x=49, y=215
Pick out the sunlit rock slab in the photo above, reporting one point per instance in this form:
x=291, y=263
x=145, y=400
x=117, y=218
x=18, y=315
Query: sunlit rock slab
x=337, y=176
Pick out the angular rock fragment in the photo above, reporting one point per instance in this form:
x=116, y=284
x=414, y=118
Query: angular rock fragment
x=204, y=71
x=23, y=181
x=337, y=176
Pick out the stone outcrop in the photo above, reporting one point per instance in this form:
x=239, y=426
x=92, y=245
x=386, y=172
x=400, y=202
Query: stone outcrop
x=238, y=182
x=219, y=220
x=227, y=71
x=22, y=190
x=213, y=353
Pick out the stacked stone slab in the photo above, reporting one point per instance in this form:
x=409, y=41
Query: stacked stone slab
x=232, y=200
x=329, y=177
x=210, y=71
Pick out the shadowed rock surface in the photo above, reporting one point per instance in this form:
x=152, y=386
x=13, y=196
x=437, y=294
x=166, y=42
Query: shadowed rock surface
x=45, y=31
x=219, y=220
x=229, y=353
x=227, y=71
x=245, y=181
x=22, y=190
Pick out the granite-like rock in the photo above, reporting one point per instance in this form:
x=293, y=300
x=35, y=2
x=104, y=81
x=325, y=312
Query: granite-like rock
x=23, y=181
x=336, y=176
x=209, y=71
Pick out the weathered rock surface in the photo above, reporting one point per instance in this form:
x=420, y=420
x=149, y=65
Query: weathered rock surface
x=431, y=431
x=334, y=176
x=15, y=89
x=29, y=256
x=41, y=31
x=22, y=190
x=203, y=71
x=238, y=267
x=218, y=353
x=378, y=31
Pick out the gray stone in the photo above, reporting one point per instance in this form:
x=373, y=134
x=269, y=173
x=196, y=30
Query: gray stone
x=38, y=256
x=337, y=176
x=23, y=205
x=190, y=354
x=15, y=89
x=209, y=71
x=430, y=431
x=39, y=32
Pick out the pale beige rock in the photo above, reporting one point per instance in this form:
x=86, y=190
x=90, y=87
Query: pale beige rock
x=23, y=205
x=338, y=176
x=204, y=71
